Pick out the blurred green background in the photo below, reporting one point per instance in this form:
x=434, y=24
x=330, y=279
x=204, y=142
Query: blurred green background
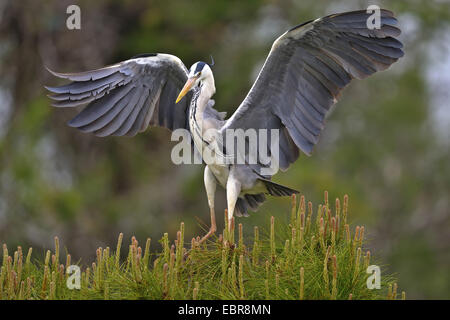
x=386, y=144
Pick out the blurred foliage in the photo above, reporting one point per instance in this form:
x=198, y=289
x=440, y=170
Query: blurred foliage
x=381, y=144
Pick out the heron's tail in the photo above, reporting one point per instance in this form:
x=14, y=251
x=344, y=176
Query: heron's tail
x=278, y=190
x=248, y=201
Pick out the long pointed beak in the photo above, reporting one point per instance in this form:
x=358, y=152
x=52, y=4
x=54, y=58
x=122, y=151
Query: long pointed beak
x=187, y=86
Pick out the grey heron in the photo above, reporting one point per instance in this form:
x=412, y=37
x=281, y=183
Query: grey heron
x=302, y=77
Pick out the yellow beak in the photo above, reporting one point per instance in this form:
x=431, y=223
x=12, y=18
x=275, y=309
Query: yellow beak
x=187, y=86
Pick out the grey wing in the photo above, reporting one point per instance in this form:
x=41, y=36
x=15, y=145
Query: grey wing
x=126, y=98
x=307, y=68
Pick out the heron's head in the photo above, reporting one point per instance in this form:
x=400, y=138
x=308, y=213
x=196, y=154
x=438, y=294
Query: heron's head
x=200, y=73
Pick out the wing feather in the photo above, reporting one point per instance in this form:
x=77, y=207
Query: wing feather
x=122, y=99
x=107, y=117
x=305, y=72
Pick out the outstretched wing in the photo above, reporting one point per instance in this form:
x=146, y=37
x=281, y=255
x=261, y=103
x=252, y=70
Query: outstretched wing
x=307, y=68
x=125, y=98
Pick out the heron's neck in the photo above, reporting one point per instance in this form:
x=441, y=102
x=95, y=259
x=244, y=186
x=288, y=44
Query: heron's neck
x=207, y=90
x=197, y=125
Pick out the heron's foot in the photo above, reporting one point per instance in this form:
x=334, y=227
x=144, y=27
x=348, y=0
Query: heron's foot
x=197, y=241
x=211, y=231
x=213, y=227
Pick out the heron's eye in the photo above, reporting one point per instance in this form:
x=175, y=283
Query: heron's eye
x=198, y=74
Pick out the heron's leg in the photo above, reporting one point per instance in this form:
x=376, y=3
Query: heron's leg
x=210, y=186
x=233, y=191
